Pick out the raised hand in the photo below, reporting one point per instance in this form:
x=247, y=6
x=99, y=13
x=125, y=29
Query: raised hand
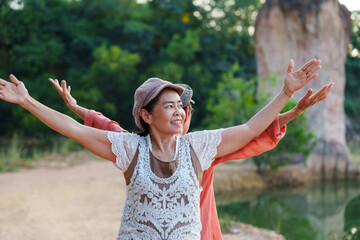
x=14, y=91
x=305, y=102
x=308, y=100
x=64, y=92
x=298, y=79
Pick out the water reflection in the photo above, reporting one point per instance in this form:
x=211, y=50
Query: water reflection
x=325, y=211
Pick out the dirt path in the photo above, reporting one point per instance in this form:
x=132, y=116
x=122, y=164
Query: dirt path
x=80, y=202
x=53, y=202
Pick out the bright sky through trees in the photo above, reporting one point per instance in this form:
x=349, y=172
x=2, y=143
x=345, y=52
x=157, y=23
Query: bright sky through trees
x=352, y=5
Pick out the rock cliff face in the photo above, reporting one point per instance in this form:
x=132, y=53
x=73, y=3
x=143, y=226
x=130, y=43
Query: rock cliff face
x=302, y=30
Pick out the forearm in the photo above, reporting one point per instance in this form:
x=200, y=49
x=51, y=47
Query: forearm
x=78, y=110
x=266, y=141
x=93, y=139
x=53, y=119
x=261, y=120
x=288, y=116
x=236, y=137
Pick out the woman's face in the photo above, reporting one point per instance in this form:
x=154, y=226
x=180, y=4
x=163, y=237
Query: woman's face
x=167, y=116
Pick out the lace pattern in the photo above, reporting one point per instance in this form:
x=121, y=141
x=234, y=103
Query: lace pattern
x=162, y=208
x=124, y=146
x=205, y=145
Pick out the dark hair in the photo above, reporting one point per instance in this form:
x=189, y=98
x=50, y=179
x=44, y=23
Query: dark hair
x=149, y=107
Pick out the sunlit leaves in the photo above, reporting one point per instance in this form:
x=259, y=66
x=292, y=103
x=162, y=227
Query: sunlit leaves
x=183, y=49
x=233, y=102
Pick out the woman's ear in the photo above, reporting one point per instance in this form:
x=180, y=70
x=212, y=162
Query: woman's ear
x=146, y=116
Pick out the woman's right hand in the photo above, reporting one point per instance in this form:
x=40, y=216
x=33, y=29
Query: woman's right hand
x=309, y=99
x=14, y=91
x=64, y=92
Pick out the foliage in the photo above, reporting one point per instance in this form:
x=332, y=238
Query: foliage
x=352, y=221
x=113, y=73
x=352, y=68
x=235, y=101
x=106, y=48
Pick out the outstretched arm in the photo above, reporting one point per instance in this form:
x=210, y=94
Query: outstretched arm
x=268, y=139
x=236, y=137
x=93, y=139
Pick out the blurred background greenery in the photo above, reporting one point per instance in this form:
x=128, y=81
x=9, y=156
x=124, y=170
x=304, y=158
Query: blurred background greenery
x=106, y=48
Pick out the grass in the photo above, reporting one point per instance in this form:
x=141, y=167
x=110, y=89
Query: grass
x=11, y=155
x=17, y=152
x=225, y=222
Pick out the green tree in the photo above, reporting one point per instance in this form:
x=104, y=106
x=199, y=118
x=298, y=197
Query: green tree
x=175, y=40
x=234, y=101
x=352, y=68
x=352, y=221
x=113, y=76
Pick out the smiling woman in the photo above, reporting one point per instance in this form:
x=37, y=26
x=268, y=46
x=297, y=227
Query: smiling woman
x=148, y=95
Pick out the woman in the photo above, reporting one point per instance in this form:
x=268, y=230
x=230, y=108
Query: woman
x=267, y=140
x=162, y=203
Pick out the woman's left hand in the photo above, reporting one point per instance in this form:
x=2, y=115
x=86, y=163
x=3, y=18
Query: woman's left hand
x=298, y=79
x=308, y=100
x=14, y=92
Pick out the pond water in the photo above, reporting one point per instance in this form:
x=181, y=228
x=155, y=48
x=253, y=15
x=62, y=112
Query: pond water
x=325, y=211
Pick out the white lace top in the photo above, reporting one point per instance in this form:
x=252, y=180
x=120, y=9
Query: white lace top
x=163, y=208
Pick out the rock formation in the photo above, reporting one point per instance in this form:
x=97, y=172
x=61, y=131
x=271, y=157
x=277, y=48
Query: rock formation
x=302, y=30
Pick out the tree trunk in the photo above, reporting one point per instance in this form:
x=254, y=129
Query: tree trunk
x=302, y=30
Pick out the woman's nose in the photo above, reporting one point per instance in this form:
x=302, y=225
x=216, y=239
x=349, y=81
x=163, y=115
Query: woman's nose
x=178, y=111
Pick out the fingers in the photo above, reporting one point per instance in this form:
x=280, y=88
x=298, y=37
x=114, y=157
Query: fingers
x=56, y=84
x=3, y=82
x=307, y=100
x=329, y=87
x=63, y=85
x=52, y=82
x=312, y=77
x=313, y=71
x=309, y=63
x=322, y=93
x=66, y=89
x=308, y=93
x=290, y=66
x=14, y=79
